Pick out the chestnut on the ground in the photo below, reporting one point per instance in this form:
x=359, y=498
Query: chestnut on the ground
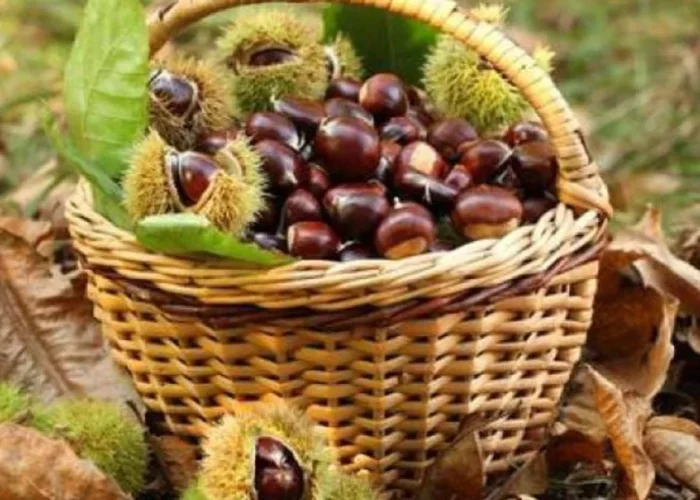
x=355, y=210
x=449, y=135
x=349, y=148
x=408, y=230
x=384, y=96
x=486, y=212
x=285, y=169
x=312, y=240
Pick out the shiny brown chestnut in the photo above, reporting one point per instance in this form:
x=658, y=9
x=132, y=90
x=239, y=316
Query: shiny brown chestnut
x=390, y=151
x=301, y=206
x=385, y=172
x=278, y=474
x=534, y=208
x=486, y=212
x=306, y=114
x=524, y=132
x=403, y=129
x=507, y=179
x=285, y=169
x=179, y=95
x=267, y=219
x=459, y=178
x=384, y=96
x=190, y=174
x=448, y=136
x=338, y=106
x=348, y=148
x=312, y=240
x=355, y=210
x=485, y=158
x=270, y=56
x=424, y=188
x=269, y=241
x=344, y=87
x=356, y=251
x=268, y=125
x=421, y=157
x=408, y=230
x=319, y=182
x=213, y=142
x=535, y=165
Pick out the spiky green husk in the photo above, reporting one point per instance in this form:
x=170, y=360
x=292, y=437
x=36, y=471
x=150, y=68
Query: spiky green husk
x=97, y=431
x=341, y=486
x=461, y=85
x=347, y=57
x=255, y=87
x=193, y=493
x=146, y=183
x=214, y=107
x=228, y=464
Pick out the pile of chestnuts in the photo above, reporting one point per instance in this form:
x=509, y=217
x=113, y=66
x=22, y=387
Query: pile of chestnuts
x=370, y=171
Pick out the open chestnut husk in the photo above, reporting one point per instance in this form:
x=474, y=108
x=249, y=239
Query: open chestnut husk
x=189, y=176
x=284, y=167
x=355, y=210
x=278, y=475
x=178, y=94
x=486, y=212
x=312, y=240
x=384, y=96
x=348, y=148
x=535, y=165
x=408, y=230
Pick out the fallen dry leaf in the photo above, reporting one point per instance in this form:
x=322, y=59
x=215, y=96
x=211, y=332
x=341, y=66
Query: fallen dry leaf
x=674, y=446
x=35, y=467
x=50, y=345
x=177, y=459
x=571, y=448
x=624, y=416
x=458, y=472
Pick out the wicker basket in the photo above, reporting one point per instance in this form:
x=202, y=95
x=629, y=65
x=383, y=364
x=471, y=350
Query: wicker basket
x=387, y=356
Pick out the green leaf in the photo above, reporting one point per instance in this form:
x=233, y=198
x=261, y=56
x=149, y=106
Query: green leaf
x=188, y=233
x=386, y=42
x=105, y=82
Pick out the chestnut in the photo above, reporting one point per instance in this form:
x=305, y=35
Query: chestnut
x=355, y=210
x=213, y=142
x=507, y=179
x=356, y=251
x=459, y=178
x=312, y=240
x=429, y=190
x=178, y=95
x=534, y=208
x=306, y=114
x=384, y=172
x=524, y=132
x=449, y=135
x=348, y=148
x=421, y=157
x=268, y=125
x=408, y=230
x=485, y=158
x=486, y=212
x=343, y=107
x=278, y=475
x=190, y=174
x=271, y=56
x=403, y=129
x=390, y=151
x=384, y=96
x=319, y=182
x=269, y=241
x=347, y=88
x=268, y=218
x=285, y=169
x=301, y=206
x=536, y=165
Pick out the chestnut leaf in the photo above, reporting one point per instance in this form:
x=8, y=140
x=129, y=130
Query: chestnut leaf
x=105, y=82
x=386, y=42
x=187, y=233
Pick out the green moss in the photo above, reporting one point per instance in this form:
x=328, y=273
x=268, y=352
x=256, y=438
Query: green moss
x=97, y=431
x=12, y=402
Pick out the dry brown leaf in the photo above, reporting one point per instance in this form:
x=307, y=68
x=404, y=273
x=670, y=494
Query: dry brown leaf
x=625, y=416
x=458, y=472
x=531, y=479
x=177, y=458
x=50, y=344
x=35, y=467
x=573, y=447
x=674, y=446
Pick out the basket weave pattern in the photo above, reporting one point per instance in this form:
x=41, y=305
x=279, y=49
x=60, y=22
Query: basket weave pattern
x=387, y=356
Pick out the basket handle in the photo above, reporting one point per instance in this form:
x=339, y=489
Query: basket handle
x=578, y=184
